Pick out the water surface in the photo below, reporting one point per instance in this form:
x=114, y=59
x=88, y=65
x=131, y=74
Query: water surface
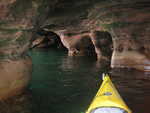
x=62, y=84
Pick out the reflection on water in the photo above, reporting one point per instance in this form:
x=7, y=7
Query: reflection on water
x=134, y=87
x=62, y=84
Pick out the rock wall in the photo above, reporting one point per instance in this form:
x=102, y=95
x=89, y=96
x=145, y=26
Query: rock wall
x=47, y=39
x=127, y=21
x=15, y=33
x=102, y=42
x=77, y=42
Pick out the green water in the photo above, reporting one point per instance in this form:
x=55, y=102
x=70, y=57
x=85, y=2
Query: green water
x=62, y=84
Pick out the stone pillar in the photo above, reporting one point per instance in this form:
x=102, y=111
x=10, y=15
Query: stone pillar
x=78, y=43
x=102, y=42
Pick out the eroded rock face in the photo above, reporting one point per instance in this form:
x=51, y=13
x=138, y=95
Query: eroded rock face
x=47, y=39
x=129, y=25
x=15, y=65
x=131, y=40
x=15, y=75
x=129, y=53
x=124, y=20
x=38, y=42
x=77, y=43
x=103, y=44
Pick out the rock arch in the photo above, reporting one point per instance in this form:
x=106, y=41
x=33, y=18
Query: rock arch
x=103, y=44
x=78, y=43
x=47, y=39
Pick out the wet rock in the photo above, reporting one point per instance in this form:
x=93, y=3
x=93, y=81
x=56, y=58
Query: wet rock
x=47, y=39
x=15, y=65
x=129, y=54
x=130, y=39
x=38, y=42
x=129, y=27
x=103, y=44
x=77, y=43
x=15, y=35
x=15, y=76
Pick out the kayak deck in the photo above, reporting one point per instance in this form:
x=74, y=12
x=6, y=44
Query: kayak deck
x=108, y=96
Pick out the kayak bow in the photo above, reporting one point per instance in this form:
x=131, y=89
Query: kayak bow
x=108, y=97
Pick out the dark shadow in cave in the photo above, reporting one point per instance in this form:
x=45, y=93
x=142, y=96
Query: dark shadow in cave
x=86, y=45
x=47, y=39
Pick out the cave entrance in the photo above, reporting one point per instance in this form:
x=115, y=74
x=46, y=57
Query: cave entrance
x=47, y=39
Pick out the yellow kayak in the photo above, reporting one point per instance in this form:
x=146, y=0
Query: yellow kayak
x=108, y=97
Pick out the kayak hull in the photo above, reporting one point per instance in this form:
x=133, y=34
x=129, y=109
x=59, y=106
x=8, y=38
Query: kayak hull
x=108, y=96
